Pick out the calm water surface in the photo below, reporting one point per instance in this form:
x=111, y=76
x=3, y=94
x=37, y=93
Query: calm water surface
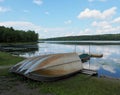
x=108, y=65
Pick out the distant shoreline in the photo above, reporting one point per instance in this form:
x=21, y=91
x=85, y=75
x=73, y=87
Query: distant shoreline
x=105, y=37
x=84, y=42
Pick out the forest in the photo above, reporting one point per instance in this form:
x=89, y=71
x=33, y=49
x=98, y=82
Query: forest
x=12, y=35
x=105, y=37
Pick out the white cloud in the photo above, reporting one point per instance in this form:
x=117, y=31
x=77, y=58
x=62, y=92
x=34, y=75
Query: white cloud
x=97, y=14
x=100, y=27
x=116, y=20
x=109, y=12
x=105, y=27
x=102, y=24
x=21, y=25
x=87, y=13
x=111, y=30
x=54, y=32
x=105, y=24
x=68, y=22
x=38, y=2
x=86, y=31
x=4, y=9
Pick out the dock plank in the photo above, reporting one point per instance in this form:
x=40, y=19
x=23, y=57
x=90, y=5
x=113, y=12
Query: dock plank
x=89, y=72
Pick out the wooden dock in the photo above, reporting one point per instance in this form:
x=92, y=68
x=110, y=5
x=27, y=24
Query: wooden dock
x=89, y=72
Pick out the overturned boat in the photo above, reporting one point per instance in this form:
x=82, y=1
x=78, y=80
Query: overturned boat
x=51, y=67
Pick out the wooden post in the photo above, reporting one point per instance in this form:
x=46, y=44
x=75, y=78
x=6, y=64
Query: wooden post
x=89, y=54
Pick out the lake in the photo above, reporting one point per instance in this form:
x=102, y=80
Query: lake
x=108, y=65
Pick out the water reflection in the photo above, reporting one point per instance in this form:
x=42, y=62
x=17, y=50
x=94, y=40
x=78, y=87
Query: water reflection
x=19, y=49
x=108, y=65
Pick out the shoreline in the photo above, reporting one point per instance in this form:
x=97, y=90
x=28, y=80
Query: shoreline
x=12, y=84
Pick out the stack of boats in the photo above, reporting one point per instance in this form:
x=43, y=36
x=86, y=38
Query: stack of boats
x=50, y=67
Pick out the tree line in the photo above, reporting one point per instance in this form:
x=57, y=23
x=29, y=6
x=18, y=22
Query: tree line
x=112, y=37
x=12, y=35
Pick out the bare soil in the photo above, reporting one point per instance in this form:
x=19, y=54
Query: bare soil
x=10, y=85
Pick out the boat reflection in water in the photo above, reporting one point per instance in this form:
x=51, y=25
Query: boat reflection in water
x=51, y=67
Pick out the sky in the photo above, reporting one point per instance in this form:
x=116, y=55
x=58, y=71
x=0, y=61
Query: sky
x=57, y=18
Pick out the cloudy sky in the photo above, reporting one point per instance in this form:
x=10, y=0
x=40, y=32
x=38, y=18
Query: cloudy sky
x=55, y=18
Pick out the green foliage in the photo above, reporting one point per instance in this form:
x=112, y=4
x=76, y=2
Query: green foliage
x=11, y=35
x=87, y=37
x=8, y=59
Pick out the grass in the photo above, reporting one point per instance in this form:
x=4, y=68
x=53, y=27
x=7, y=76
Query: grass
x=77, y=85
x=19, y=43
x=8, y=59
x=80, y=85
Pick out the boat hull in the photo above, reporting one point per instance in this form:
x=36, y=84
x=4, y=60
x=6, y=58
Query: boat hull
x=49, y=67
x=38, y=77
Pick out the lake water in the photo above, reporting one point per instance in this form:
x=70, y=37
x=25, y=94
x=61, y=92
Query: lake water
x=108, y=65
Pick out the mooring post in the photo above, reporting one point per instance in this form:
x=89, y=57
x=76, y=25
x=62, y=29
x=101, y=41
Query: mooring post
x=89, y=55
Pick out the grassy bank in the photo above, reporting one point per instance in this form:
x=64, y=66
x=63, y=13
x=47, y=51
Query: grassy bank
x=19, y=43
x=11, y=84
x=80, y=85
x=8, y=59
